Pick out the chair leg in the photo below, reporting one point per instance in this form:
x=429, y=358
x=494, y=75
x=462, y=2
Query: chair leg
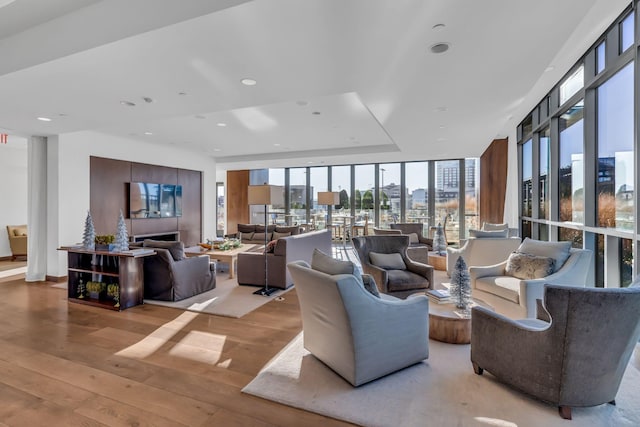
x=477, y=369
x=565, y=412
x=613, y=402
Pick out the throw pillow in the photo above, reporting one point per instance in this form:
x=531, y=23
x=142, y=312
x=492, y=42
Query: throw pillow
x=277, y=235
x=246, y=236
x=556, y=250
x=260, y=237
x=370, y=285
x=527, y=266
x=246, y=228
x=329, y=265
x=20, y=231
x=413, y=238
x=487, y=226
x=271, y=246
x=392, y=261
x=176, y=249
x=480, y=234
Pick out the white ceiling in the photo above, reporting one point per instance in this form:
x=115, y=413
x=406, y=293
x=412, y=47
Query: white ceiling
x=363, y=65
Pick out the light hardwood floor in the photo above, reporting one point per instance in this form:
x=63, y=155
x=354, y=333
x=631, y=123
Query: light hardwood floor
x=71, y=365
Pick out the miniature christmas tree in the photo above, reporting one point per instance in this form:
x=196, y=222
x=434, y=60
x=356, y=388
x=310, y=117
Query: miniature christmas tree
x=439, y=243
x=122, y=236
x=460, y=288
x=89, y=236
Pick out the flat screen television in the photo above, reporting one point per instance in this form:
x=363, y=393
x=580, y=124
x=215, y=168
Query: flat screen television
x=150, y=200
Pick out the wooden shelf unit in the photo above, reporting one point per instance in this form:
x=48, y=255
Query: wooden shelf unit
x=124, y=269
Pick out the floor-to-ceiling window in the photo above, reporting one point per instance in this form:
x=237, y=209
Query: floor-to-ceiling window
x=364, y=177
x=389, y=194
x=417, y=190
x=447, y=202
x=571, y=171
x=319, y=181
x=298, y=194
x=472, y=196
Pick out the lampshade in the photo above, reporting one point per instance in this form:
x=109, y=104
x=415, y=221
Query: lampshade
x=266, y=195
x=328, y=198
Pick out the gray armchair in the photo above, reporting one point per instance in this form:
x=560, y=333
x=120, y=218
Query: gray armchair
x=573, y=355
x=411, y=228
x=170, y=276
x=392, y=269
x=354, y=332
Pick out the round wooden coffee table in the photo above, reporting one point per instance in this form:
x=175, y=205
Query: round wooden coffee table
x=439, y=262
x=447, y=326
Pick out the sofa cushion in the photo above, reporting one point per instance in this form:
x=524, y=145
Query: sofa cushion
x=402, y=280
x=260, y=228
x=246, y=228
x=246, y=236
x=293, y=230
x=487, y=226
x=277, y=235
x=260, y=237
x=175, y=248
x=527, y=266
x=556, y=250
x=480, y=234
x=391, y=261
x=506, y=287
x=20, y=231
x=413, y=238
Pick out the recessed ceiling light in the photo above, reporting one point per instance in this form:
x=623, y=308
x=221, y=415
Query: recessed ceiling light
x=276, y=145
x=128, y=103
x=147, y=99
x=316, y=113
x=441, y=126
x=182, y=93
x=148, y=133
x=217, y=150
x=549, y=68
x=199, y=116
x=438, y=27
x=441, y=47
x=44, y=119
x=309, y=162
x=221, y=124
x=248, y=82
x=62, y=114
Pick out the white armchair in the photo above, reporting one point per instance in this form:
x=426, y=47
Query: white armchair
x=516, y=297
x=482, y=251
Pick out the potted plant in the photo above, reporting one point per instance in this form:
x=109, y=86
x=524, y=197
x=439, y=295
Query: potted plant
x=105, y=242
x=95, y=289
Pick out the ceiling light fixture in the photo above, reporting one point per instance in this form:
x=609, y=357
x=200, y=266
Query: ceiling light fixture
x=217, y=150
x=221, y=124
x=276, y=145
x=147, y=99
x=182, y=93
x=438, y=27
x=127, y=103
x=44, y=119
x=248, y=82
x=148, y=133
x=316, y=113
x=441, y=47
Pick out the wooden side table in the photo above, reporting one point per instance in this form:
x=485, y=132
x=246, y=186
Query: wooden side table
x=447, y=326
x=439, y=262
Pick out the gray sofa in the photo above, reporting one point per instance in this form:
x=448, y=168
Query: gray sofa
x=573, y=355
x=250, y=270
x=170, y=276
x=360, y=336
x=253, y=233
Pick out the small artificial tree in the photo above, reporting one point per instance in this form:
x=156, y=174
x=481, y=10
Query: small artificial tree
x=439, y=243
x=122, y=236
x=89, y=236
x=460, y=289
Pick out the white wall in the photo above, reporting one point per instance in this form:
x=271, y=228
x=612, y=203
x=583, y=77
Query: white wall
x=13, y=188
x=71, y=171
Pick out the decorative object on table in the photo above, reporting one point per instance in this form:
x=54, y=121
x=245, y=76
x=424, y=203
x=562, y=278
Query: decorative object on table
x=122, y=236
x=96, y=289
x=439, y=296
x=226, y=244
x=439, y=242
x=113, y=291
x=265, y=195
x=104, y=242
x=81, y=290
x=88, y=238
x=460, y=288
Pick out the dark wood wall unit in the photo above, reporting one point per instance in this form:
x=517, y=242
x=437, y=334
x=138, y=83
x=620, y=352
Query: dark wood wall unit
x=493, y=181
x=108, y=193
x=109, y=180
x=237, y=199
x=190, y=223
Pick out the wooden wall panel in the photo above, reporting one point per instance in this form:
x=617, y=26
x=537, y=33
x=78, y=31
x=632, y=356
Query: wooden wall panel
x=190, y=223
x=493, y=181
x=108, y=193
x=237, y=202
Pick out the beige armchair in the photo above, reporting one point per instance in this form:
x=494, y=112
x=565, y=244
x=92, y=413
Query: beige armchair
x=482, y=251
x=17, y=240
x=513, y=295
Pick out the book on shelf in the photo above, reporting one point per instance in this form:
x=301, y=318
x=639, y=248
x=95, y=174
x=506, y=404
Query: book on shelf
x=140, y=251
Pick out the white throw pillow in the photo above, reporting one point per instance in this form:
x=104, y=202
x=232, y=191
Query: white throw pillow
x=413, y=238
x=559, y=251
x=481, y=234
x=487, y=226
x=527, y=266
x=392, y=261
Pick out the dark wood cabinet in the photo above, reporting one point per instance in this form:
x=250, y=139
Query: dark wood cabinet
x=94, y=275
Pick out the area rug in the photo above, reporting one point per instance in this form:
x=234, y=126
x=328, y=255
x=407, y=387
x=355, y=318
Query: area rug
x=227, y=299
x=13, y=271
x=442, y=391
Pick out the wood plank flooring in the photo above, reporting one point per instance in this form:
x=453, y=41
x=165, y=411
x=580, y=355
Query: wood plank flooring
x=65, y=364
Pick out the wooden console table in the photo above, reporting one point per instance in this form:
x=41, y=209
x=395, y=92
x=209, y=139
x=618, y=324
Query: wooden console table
x=121, y=268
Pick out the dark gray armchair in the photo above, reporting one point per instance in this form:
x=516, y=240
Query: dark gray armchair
x=170, y=276
x=413, y=227
x=393, y=271
x=573, y=355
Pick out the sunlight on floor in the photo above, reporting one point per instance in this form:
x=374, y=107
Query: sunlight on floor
x=495, y=422
x=200, y=346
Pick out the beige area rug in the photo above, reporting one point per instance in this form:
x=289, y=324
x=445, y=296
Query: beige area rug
x=14, y=271
x=442, y=391
x=227, y=299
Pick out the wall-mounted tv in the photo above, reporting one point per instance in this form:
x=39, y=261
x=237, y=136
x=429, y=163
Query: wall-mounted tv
x=150, y=200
